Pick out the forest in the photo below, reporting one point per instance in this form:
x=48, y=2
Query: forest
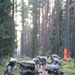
x=47, y=27
x=29, y=28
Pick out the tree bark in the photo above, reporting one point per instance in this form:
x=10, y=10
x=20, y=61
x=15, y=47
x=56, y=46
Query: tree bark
x=67, y=26
x=57, y=27
x=22, y=32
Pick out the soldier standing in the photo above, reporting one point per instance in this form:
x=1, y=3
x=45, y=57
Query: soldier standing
x=10, y=66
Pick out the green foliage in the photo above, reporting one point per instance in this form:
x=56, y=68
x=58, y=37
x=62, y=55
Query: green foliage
x=68, y=66
x=70, y=60
x=7, y=29
x=40, y=51
x=2, y=66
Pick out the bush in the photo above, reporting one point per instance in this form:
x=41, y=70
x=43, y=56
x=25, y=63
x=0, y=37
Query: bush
x=70, y=60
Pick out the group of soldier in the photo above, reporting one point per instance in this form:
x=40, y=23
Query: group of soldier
x=31, y=67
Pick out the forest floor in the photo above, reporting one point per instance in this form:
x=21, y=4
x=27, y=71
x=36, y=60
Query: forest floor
x=66, y=66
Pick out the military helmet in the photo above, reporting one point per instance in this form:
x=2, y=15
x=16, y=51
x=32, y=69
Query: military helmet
x=30, y=63
x=36, y=60
x=13, y=60
x=55, y=56
x=56, y=60
x=22, y=63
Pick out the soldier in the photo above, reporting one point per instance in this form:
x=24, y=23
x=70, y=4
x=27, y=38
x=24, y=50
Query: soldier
x=42, y=61
x=9, y=67
x=36, y=60
x=54, y=68
x=55, y=58
x=30, y=68
x=22, y=68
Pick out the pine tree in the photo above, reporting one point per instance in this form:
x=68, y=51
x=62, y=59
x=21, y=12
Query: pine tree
x=7, y=29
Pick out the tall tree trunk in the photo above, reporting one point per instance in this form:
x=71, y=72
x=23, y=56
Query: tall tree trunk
x=39, y=26
x=50, y=25
x=16, y=8
x=13, y=10
x=73, y=37
x=43, y=26
x=13, y=27
x=22, y=32
x=67, y=26
x=47, y=26
x=35, y=31
x=73, y=34
x=57, y=27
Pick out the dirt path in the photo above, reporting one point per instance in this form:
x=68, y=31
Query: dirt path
x=43, y=72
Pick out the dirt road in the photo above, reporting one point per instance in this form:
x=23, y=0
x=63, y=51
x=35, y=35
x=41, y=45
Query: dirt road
x=43, y=71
